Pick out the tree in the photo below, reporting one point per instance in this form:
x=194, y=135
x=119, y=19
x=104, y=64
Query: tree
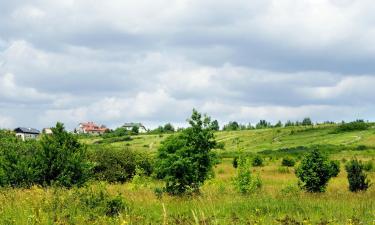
x=278, y=124
x=356, y=176
x=314, y=172
x=135, y=129
x=215, y=125
x=232, y=125
x=335, y=168
x=62, y=159
x=262, y=124
x=184, y=160
x=168, y=128
x=257, y=161
x=306, y=122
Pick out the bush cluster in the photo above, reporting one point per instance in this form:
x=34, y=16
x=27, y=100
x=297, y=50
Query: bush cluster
x=257, y=161
x=288, y=162
x=353, y=126
x=356, y=176
x=118, y=165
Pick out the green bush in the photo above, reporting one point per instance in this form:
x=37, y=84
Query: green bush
x=109, y=140
x=314, y=172
x=353, y=126
x=244, y=182
x=335, y=168
x=357, y=178
x=118, y=165
x=184, y=160
x=257, y=161
x=18, y=163
x=287, y=161
x=62, y=159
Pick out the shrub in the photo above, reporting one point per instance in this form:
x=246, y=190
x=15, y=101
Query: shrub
x=18, y=164
x=235, y=162
x=62, y=159
x=257, y=161
x=185, y=160
x=357, y=178
x=335, y=168
x=283, y=169
x=289, y=162
x=314, y=172
x=244, y=182
x=118, y=165
x=109, y=140
x=353, y=126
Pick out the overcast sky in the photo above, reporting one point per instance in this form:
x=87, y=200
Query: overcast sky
x=120, y=61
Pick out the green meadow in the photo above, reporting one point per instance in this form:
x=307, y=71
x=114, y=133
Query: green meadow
x=279, y=201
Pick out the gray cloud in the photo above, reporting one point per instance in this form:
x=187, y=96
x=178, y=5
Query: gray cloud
x=154, y=61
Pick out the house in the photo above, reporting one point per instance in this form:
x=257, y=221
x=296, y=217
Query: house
x=47, y=131
x=90, y=128
x=26, y=133
x=141, y=127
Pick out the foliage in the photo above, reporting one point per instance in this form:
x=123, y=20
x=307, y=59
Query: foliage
x=257, y=161
x=306, y=122
x=356, y=176
x=287, y=161
x=114, y=139
x=231, y=126
x=118, y=165
x=185, y=160
x=62, y=159
x=244, y=182
x=263, y=124
x=135, y=130
x=119, y=132
x=357, y=125
x=215, y=125
x=18, y=164
x=314, y=172
x=167, y=128
x=334, y=167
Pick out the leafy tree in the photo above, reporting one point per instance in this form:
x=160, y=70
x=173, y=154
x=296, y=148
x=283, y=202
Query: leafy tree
x=306, y=122
x=353, y=126
x=135, y=129
x=289, y=124
x=62, y=159
x=215, y=125
x=235, y=162
x=263, y=124
x=314, y=172
x=278, y=124
x=231, y=126
x=356, y=176
x=244, y=182
x=168, y=128
x=185, y=160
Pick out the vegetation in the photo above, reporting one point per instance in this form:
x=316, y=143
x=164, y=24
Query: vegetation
x=357, y=178
x=184, y=160
x=128, y=192
x=288, y=162
x=357, y=125
x=314, y=172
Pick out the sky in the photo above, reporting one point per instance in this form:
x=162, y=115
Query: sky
x=146, y=61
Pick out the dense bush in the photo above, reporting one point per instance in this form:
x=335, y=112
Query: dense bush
x=287, y=161
x=119, y=132
x=185, y=160
x=118, y=165
x=356, y=176
x=353, y=126
x=334, y=167
x=18, y=163
x=62, y=159
x=257, y=161
x=56, y=159
x=314, y=172
x=109, y=140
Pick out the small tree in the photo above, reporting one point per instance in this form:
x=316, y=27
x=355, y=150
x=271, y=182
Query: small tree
x=306, y=122
x=215, y=125
x=314, y=172
x=185, y=160
x=135, y=129
x=356, y=176
x=257, y=161
x=62, y=159
x=244, y=182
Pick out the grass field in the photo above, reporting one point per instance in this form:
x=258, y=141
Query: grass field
x=279, y=201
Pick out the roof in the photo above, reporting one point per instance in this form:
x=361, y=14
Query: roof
x=133, y=125
x=91, y=126
x=26, y=130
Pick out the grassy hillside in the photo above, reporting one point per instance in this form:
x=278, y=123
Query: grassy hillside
x=265, y=139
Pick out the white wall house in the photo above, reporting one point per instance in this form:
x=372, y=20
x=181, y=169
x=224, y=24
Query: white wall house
x=129, y=126
x=26, y=133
